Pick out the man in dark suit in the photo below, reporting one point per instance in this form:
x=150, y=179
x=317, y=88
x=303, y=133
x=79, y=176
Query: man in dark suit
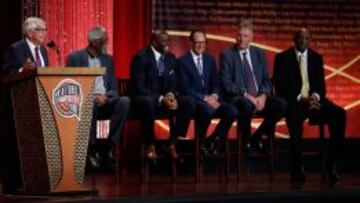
x=198, y=79
x=108, y=104
x=153, y=91
x=246, y=83
x=25, y=54
x=299, y=79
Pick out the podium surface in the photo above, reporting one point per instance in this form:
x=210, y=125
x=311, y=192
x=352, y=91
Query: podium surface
x=52, y=111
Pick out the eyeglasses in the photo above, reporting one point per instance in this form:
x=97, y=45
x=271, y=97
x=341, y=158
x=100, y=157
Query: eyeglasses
x=199, y=42
x=41, y=29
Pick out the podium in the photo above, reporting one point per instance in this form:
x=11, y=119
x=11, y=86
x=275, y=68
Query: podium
x=52, y=110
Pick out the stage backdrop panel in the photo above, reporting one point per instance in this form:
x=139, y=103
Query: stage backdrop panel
x=335, y=27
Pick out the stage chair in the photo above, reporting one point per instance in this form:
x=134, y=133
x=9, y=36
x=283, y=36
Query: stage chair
x=321, y=150
x=270, y=154
x=123, y=87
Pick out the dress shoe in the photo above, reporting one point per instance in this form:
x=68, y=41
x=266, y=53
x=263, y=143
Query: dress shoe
x=111, y=159
x=151, y=152
x=257, y=146
x=173, y=153
x=94, y=160
x=334, y=175
x=299, y=175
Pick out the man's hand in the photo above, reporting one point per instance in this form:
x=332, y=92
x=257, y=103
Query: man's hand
x=170, y=101
x=260, y=102
x=29, y=64
x=250, y=98
x=212, y=101
x=100, y=100
x=314, y=102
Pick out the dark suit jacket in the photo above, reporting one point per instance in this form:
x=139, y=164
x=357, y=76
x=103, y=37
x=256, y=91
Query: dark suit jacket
x=287, y=76
x=80, y=58
x=231, y=72
x=17, y=54
x=190, y=81
x=143, y=74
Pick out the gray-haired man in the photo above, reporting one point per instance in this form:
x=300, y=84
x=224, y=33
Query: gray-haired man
x=108, y=104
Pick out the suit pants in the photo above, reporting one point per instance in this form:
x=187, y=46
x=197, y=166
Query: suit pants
x=273, y=111
x=148, y=108
x=330, y=114
x=116, y=110
x=204, y=113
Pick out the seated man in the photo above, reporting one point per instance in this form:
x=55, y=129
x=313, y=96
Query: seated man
x=153, y=91
x=198, y=79
x=299, y=79
x=246, y=84
x=108, y=104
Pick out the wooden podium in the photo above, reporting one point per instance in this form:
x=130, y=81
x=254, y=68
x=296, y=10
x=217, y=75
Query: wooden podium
x=52, y=111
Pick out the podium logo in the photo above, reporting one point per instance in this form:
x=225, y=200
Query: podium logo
x=67, y=98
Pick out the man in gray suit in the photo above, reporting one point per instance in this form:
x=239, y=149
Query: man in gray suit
x=246, y=84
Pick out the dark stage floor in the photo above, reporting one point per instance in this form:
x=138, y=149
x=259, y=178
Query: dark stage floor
x=253, y=188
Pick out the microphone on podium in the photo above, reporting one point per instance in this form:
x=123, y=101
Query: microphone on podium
x=51, y=44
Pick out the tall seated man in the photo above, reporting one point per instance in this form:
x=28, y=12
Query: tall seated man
x=108, y=104
x=299, y=79
x=198, y=78
x=246, y=84
x=153, y=92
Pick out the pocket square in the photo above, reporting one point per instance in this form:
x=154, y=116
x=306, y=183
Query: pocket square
x=171, y=72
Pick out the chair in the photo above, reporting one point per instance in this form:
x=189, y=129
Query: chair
x=123, y=87
x=321, y=151
x=240, y=154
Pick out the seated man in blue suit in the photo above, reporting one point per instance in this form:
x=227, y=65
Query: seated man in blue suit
x=198, y=79
x=108, y=104
x=246, y=83
x=154, y=92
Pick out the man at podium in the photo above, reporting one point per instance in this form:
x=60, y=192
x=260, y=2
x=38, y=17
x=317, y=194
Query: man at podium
x=26, y=53
x=108, y=104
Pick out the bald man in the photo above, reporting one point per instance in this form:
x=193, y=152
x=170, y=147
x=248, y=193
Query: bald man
x=154, y=91
x=299, y=79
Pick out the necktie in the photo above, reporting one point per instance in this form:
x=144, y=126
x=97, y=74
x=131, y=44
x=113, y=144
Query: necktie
x=37, y=57
x=249, y=76
x=198, y=65
x=304, y=77
x=161, y=66
x=200, y=69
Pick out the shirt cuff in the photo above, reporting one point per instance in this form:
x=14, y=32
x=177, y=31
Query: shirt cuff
x=298, y=98
x=316, y=95
x=215, y=96
x=160, y=99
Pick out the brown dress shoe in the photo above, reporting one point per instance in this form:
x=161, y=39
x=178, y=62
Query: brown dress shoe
x=173, y=153
x=151, y=152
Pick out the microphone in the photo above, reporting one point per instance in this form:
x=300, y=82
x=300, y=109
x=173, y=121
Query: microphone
x=51, y=44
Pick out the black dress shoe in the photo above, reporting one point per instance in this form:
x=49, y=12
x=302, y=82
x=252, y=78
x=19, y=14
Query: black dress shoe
x=257, y=146
x=334, y=175
x=111, y=159
x=299, y=175
x=94, y=160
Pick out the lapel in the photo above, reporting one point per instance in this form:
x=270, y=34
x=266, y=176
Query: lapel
x=310, y=68
x=294, y=63
x=26, y=51
x=238, y=68
x=84, y=59
x=255, y=64
x=152, y=62
x=193, y=68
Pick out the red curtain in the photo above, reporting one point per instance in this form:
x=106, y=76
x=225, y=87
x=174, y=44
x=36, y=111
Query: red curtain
x=132, y=28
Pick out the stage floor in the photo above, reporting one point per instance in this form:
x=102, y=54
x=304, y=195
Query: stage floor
x=252, y=188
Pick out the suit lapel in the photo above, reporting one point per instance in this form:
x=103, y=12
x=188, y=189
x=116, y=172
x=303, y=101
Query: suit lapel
x=255, y=65
x=239, y=70
x=27, y=51
x=84, y=59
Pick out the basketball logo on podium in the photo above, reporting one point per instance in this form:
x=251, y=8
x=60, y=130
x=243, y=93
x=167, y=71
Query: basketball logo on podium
x=67, y=98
